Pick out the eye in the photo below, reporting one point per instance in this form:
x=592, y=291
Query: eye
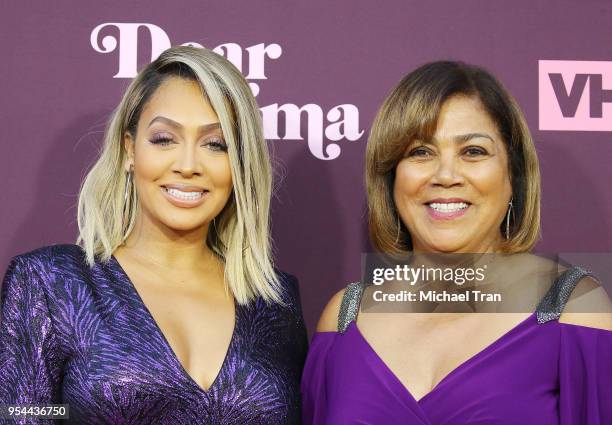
x=161, y=140
x=216, y=144
x=475, y=151
x=419, y=152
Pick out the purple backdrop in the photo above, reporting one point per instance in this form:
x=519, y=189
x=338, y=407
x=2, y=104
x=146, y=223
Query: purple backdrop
x=58, y=92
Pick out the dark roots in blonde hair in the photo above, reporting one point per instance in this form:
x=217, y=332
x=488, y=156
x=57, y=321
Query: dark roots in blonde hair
x=241, y=234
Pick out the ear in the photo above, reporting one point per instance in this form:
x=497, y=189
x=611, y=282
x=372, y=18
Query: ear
x=128, y=146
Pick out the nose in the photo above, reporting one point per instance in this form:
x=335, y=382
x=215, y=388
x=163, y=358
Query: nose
x=187, y=163
x=447, y=172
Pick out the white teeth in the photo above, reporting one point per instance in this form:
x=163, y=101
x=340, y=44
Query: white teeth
x=448, y=207
x=188, y=196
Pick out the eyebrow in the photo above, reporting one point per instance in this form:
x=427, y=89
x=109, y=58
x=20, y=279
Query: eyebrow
x=177, y=125
x=462, y=138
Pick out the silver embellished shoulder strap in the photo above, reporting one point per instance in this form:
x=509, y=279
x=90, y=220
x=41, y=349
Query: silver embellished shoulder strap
x=349, y=307
x=554, y=301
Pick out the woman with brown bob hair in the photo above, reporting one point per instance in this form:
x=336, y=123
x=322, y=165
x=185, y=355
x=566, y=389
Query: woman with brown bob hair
x=452, y=173
x=402, y=119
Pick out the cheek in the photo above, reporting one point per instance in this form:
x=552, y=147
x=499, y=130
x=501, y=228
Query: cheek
x=491, y=179
x=220, y=172
x=148, y=164
x=409, y=180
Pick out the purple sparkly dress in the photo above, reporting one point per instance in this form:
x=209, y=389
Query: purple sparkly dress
x=82, y=336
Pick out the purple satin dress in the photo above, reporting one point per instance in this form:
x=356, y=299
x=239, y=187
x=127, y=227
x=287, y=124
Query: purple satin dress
x=541, y=372
x=82, y=336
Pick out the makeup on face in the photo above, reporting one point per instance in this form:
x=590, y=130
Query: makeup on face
x=181, y=165
x=451, y=191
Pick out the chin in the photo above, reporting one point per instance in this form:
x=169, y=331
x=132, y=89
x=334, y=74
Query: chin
x=446, y=244
x=184, y=226
x=447, y=248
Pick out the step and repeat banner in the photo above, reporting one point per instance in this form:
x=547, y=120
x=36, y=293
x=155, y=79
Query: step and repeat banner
x=319, y=71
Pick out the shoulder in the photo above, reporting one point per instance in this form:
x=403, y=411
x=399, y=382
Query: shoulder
x=589, y=305
x=51, y=254
x=44, y=263
x=28, y=274
x=288, y=282
x=341, y=309
x=289, y=287
x=328, y=322
x=37, y=260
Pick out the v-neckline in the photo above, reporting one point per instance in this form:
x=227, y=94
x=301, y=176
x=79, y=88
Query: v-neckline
x=461, y=366
x=167, y=347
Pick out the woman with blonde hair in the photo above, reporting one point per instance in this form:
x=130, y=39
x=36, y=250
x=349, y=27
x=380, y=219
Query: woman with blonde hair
x=452, y=173
x=169, y=310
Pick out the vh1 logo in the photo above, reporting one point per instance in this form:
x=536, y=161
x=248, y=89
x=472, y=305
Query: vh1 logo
x=575, y=95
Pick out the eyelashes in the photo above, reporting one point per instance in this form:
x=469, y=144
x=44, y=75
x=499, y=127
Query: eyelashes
x=475, y=151
x=422, y=152
x=419, y=152
x=161, y=140
x=214, y=143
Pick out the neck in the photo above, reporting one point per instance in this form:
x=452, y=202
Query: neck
x=167, y=247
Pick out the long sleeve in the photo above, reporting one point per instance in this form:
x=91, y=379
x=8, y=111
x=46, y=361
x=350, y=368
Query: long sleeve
x=585, y=376
x=297, y=328
x=30, y=364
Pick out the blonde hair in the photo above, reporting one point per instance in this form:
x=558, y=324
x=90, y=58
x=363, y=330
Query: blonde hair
x=240, y=235
x=411, y=112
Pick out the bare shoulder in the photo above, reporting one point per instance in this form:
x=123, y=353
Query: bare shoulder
x=328, y=322
x=589, y=305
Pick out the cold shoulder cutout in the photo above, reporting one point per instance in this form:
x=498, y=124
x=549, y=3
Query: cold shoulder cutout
x=541, y=371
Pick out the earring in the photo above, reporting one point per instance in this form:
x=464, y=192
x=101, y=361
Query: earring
x=399, y=226
x=510, y=211
x=127, y=198
x=128, y=184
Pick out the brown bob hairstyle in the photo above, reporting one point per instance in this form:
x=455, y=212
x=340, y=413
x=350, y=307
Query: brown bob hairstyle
x=411, y=112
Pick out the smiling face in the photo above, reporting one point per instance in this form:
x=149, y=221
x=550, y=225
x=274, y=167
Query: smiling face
x=452, y=192
x=180, y=163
